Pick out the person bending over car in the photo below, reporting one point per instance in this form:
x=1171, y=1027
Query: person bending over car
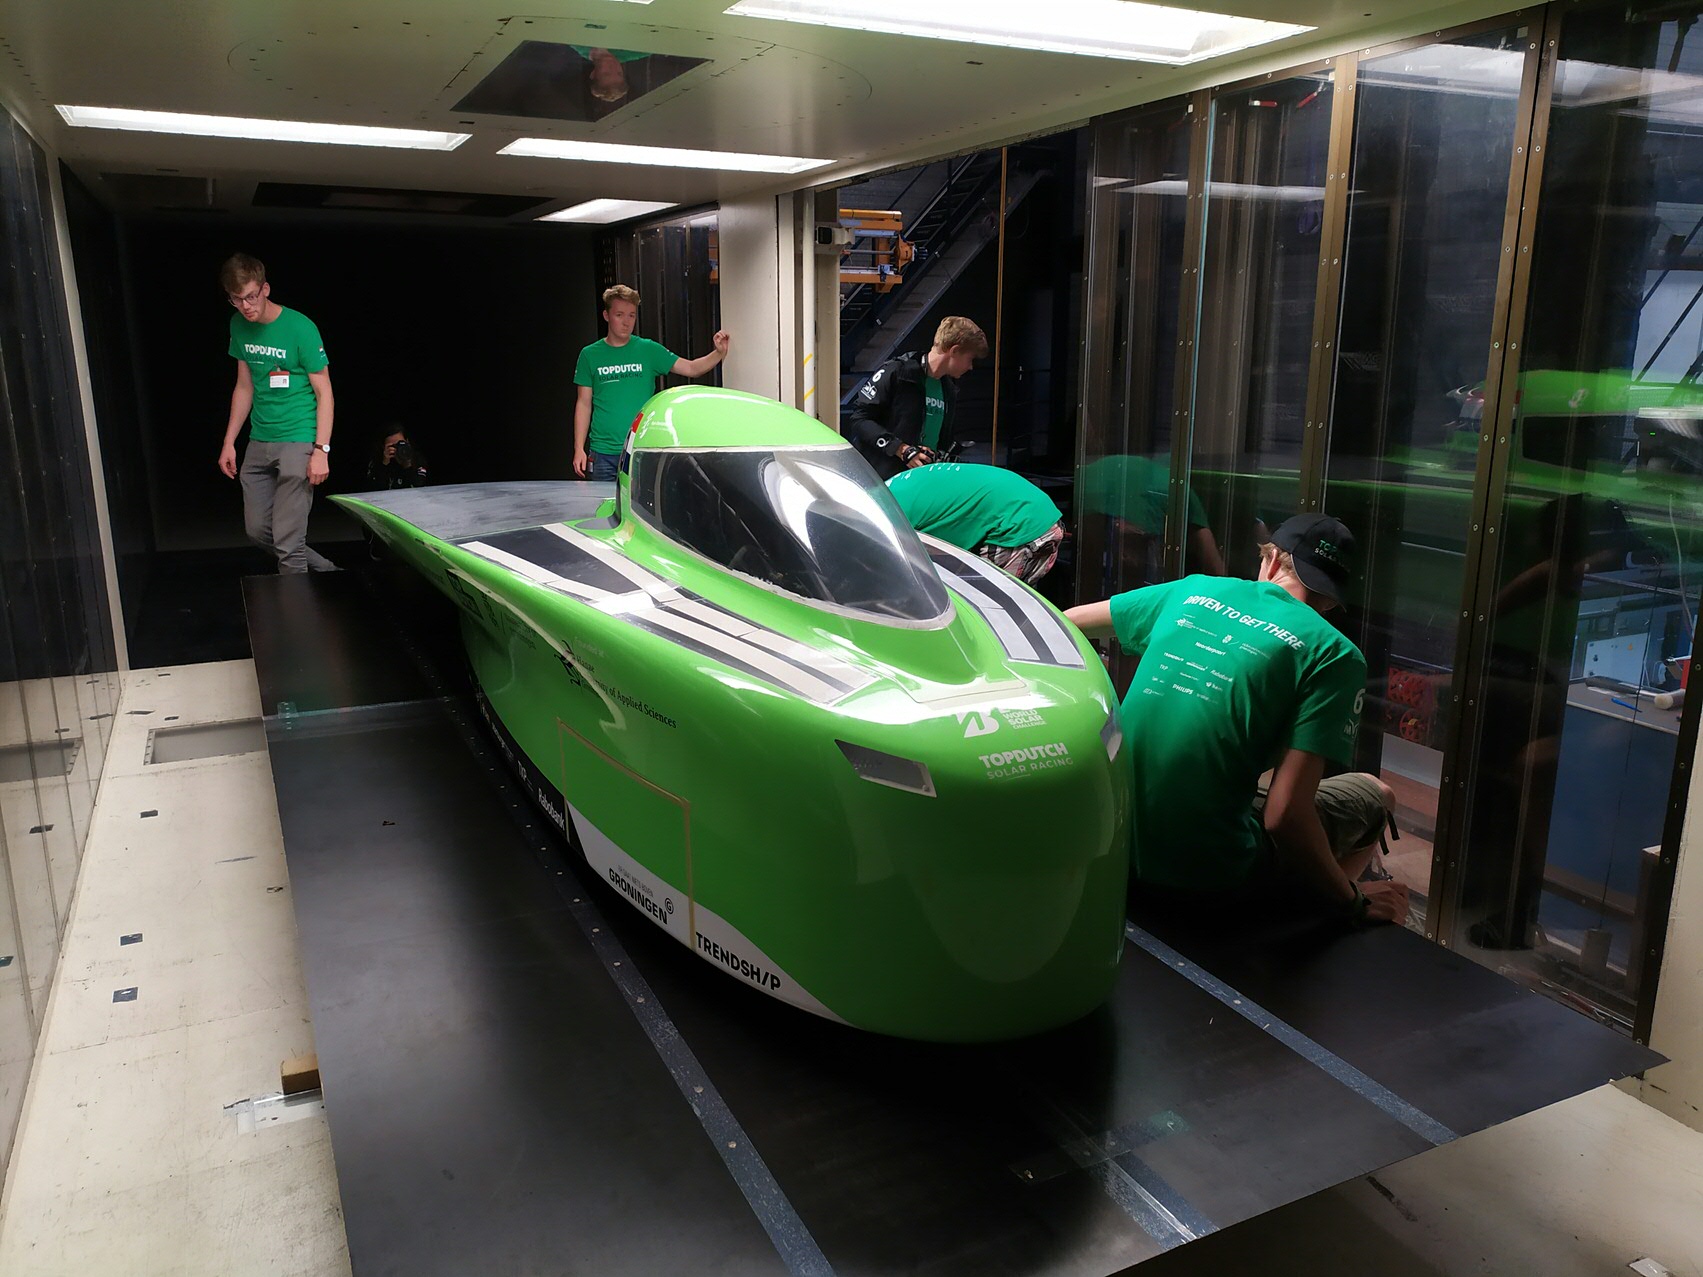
x=995, y=513
x=1237, y=677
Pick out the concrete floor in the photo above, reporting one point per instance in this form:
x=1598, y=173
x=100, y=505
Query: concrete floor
x=128, y=1161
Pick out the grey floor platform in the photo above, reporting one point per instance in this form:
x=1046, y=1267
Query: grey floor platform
x=524, y=1076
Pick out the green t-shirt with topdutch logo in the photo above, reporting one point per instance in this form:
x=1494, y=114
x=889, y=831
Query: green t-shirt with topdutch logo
x=1232, y=673
x=934, y=406
x=279, y=356
x=973, y=505
x=622, y=380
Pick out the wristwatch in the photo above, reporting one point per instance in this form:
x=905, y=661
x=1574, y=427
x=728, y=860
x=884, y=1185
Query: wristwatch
x=1355, y=909
x=321, y=447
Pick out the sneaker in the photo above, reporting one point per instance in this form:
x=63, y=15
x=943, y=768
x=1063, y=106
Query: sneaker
x=1376, y=871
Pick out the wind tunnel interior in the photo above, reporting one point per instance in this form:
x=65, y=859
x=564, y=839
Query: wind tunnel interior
x=464, y=336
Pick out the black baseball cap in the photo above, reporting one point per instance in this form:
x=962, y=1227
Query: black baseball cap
x=1323, y=550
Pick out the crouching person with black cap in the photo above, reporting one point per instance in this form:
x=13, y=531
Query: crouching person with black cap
x=1237, y=679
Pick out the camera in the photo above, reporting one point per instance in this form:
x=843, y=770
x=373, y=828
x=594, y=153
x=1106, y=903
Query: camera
x=403, y=454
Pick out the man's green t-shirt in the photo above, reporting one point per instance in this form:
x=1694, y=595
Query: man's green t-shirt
x=279, y=356
x=1135, y=489
x=972, y=505
x=1232, y=673
x=934, y=411
x=622, y=379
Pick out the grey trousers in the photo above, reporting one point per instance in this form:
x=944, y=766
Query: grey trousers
x=276, y=498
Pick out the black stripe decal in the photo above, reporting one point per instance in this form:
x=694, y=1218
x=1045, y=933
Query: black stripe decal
x=1020, y=608
x=823, y=680
x=826, y=669
x=1014, y=614
x=546, y=550
x=718, y=654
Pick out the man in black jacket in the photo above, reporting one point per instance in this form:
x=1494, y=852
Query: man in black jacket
x=902, y=417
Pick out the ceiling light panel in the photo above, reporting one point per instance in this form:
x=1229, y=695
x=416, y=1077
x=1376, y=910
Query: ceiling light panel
x=1096, y=28
x=663, y=156
x=604, y=211
x=103, y=117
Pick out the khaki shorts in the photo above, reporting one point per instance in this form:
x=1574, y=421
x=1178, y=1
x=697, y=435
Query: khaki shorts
x=1350, y=808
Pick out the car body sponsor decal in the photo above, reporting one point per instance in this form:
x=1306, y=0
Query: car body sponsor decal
x=1026, y=760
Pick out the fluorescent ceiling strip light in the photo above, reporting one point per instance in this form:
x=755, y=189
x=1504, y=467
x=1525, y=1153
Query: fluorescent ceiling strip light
x=664, y=156
x=1229, y=191
x=1097, y=28
x=604, y=211
x=104, y=117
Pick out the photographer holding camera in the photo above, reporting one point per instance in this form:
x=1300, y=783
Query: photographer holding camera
x=902, y=417
x=396, y=462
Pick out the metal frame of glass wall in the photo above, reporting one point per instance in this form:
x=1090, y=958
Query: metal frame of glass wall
x=59, y=683
x=1423, y=287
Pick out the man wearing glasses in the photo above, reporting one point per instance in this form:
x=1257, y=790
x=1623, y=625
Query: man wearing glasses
x=1237, y=677
x=283, y=391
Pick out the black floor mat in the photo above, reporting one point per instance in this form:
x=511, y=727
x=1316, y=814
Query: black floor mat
x=192, y=603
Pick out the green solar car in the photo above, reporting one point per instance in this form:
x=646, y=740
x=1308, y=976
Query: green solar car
x=862, y=772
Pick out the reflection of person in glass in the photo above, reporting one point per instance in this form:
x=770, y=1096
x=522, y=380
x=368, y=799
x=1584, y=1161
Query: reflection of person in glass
x=1535, y=618
x=606, y=76
x=986, y=510
x=1238, y=677
x=396, y=462
x=1132, y=493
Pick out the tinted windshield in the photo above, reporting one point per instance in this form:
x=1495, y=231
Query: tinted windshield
x=814, y=522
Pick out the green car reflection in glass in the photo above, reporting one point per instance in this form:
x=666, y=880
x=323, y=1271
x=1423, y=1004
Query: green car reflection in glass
x=873, y=777
x=1609, y=459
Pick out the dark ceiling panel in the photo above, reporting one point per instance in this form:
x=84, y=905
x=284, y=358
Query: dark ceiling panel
x=378, y=199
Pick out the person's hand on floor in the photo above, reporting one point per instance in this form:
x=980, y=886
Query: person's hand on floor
x=1385, y=901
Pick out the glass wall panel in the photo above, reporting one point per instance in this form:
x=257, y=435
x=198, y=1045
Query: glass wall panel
x=1264, y=214
x=1138, y=269
x=1596, y=583
x=1434, y=137
x=57, y=652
